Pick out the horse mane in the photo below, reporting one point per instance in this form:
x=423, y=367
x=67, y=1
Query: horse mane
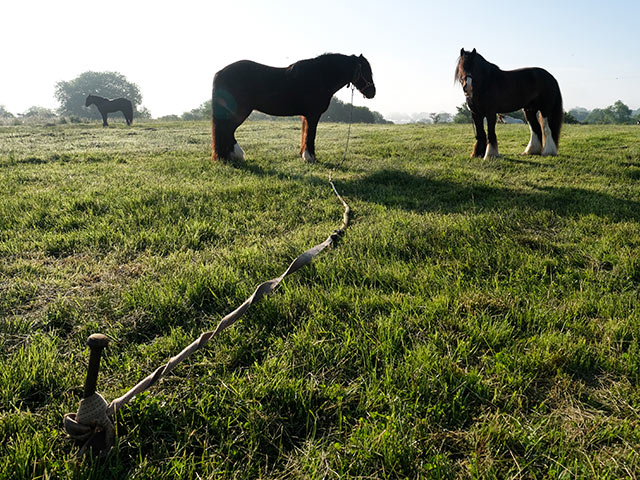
x=487, y=67
x=321, y=59
x=456, y=74
x=483, y=67
x=323, y=63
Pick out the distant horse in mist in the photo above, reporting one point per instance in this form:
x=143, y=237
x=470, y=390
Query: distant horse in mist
x=490, y=91
x=304, y=88
x=106, y=106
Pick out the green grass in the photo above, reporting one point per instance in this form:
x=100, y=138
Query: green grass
x=480, y=318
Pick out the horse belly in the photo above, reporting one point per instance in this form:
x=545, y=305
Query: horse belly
x=280, y=105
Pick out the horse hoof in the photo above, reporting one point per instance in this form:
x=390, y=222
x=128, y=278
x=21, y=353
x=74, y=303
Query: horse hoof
x=237, y=154
x=307, y=157
x=491, y=152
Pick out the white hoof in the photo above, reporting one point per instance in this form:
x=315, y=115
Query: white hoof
x=535, y=145
x=550, y=147
x=491, y=152
x=237, y=154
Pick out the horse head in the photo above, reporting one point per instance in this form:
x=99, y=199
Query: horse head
x=465, y=70
x=89, y=101
x=363, y=78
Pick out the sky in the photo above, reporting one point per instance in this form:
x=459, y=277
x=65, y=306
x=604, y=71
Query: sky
x=171, y=50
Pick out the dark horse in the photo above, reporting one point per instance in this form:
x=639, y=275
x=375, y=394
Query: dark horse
x=106, y=106
x=490, y=91
x=304, y=88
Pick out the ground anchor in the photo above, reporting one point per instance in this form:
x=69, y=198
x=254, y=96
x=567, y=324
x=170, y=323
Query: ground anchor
x=91, y=426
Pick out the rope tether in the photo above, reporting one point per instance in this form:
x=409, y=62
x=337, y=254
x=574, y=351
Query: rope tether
x=93, y=426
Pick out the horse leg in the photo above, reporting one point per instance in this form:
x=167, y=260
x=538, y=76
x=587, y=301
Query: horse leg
x=535, y=143
x=308, y=144
x=481, y=138
x=225, y=145
x=237, y=153
x=551, y=128
x=223, y=129
x=492, y=145
x=222, y=138
x=303, y=139
x=104, y=119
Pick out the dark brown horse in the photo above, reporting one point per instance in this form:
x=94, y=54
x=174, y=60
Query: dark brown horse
x=490, y=91
x=106, y=106
x=304, y=88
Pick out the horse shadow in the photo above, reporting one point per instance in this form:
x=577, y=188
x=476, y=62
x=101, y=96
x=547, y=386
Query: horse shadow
x=399, y=189
x=402, y=190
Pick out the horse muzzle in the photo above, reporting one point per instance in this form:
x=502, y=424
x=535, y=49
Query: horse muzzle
x=369, y=91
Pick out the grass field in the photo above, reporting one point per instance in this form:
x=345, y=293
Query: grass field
x=479, y=319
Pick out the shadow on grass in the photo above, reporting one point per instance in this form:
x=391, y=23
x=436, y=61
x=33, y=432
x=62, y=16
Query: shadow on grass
x=399, y=189
x=393, y=189
x=402, y=190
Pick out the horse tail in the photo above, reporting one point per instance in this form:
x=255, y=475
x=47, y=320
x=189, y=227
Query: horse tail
x=557, y=115
x=221, y=129
x=214, y=155
x=129, y=113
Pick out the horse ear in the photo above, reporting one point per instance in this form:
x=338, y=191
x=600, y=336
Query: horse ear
x=462, y=51
x=473, y=52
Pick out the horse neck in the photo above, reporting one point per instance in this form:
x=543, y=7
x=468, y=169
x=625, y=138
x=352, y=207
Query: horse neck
x=341, y=71
x=489, y=69
x=487, y=75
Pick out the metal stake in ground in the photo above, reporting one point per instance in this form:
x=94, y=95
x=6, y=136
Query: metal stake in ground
x=91, y=425
x=96, y=342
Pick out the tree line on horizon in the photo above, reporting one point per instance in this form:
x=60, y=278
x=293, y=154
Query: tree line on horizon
x=617, y=114
x=72, y=94
x=338, y=112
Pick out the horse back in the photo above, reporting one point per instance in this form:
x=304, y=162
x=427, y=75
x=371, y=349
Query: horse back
x=523, y=88
x=272, y=90
x=247, y=75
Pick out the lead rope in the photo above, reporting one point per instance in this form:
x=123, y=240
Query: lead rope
x=346, y=147
x=93, y=426
x=347, y=210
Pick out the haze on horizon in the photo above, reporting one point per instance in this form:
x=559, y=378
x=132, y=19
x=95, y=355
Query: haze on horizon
x=172, y=51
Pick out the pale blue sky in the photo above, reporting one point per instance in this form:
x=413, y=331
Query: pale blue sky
x=172, y=49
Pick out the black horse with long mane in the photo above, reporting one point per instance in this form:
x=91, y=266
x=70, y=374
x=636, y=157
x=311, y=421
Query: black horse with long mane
x=304, y=88
x=490, y=91
x=106, y=106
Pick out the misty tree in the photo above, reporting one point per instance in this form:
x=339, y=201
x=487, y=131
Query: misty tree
x=616, y=113
x=38, y=112
x=568, y=118
x=463, y=114
x=621, y=113
x=599, y=116
x=341, y=112
x=441, y=117
x=203, y=112
x=579, y=113
x=338, y=111
x=5, y=114
x=72, y=94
